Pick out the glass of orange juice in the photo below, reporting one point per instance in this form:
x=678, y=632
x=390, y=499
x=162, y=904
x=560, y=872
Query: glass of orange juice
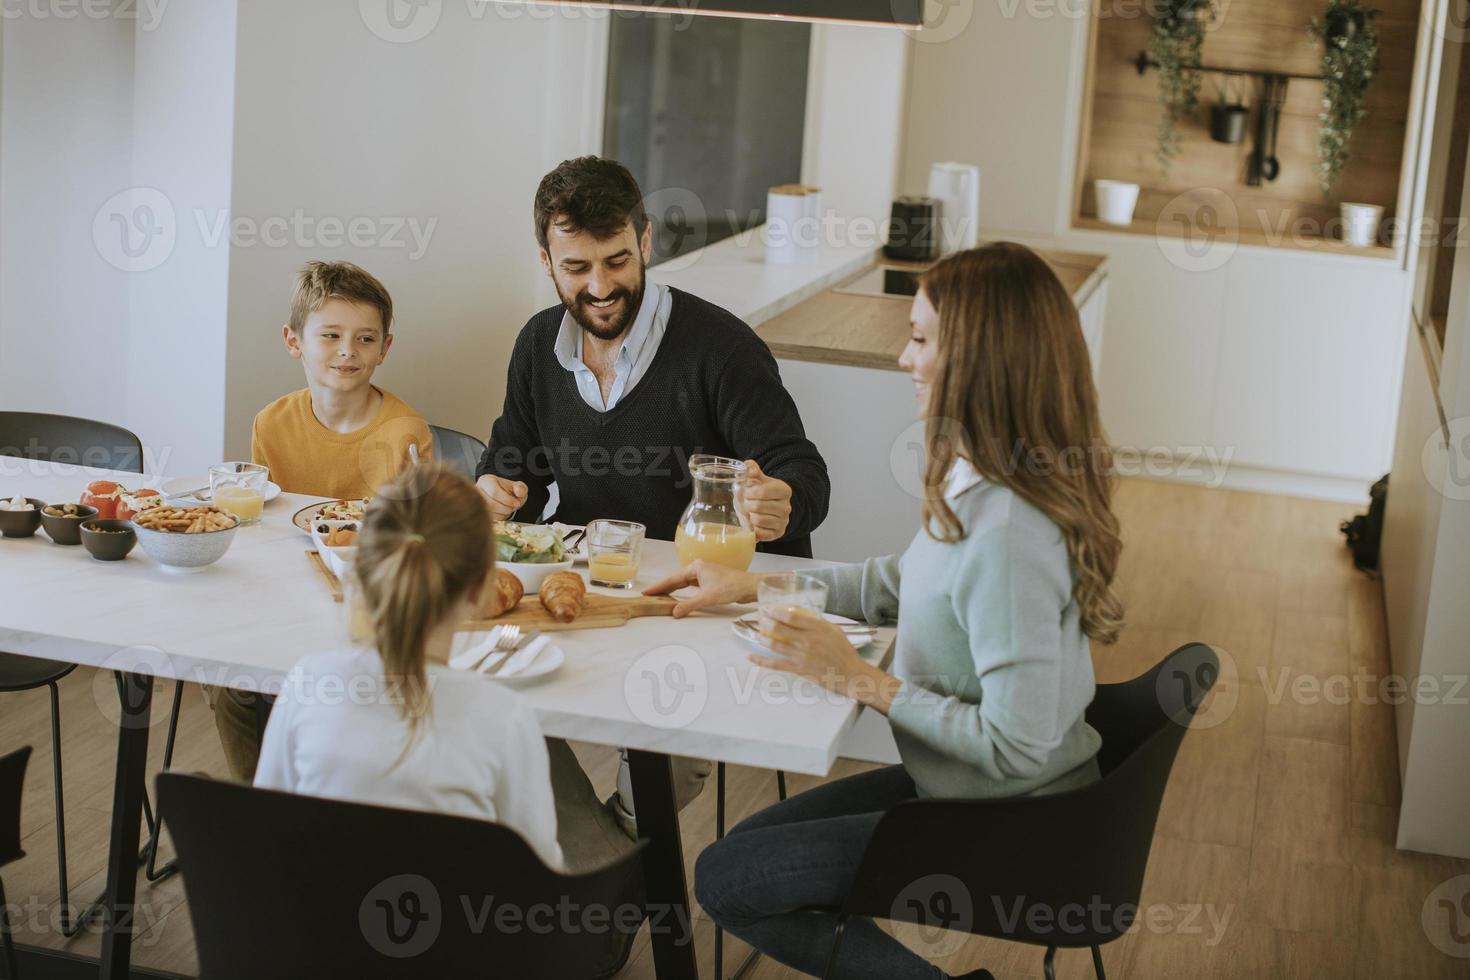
x=239, y=489
x=788, y=591
x=613, y=552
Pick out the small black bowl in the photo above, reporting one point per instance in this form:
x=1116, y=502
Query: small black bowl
x=108, y=540
x=67, y=530
x=21, y=523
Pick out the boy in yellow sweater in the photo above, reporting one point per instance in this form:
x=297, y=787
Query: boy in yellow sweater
x=340, y=436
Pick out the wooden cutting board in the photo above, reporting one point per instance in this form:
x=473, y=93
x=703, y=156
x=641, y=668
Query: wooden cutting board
x=598, y=612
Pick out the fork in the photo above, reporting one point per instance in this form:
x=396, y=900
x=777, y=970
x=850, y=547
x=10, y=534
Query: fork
x=505, y=645
x=470, y=658
x=523, y=643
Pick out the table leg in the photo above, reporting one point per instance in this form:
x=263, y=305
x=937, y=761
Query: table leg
x=127, y=816
x=671, y=926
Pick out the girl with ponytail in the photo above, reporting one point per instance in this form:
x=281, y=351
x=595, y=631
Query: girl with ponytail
x=386, y=721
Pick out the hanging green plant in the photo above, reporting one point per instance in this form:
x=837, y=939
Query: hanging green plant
x=1174, y=46
x=1349, y=59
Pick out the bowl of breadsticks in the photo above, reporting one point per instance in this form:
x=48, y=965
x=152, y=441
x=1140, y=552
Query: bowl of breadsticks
x=185, y=537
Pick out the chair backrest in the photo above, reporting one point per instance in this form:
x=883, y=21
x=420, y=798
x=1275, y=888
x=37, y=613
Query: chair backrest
x=458, y=449
x=1061, y=869
x=1127, y=714
x=287, y=886
x=12, y=782
x=67, y=439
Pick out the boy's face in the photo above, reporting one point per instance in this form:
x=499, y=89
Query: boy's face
x=340, y=345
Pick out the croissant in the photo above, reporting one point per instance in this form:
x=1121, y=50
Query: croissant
x=562, y=594
x=508, y=592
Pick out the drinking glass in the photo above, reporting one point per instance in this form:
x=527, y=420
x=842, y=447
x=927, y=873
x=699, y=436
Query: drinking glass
x=239, y=489
x=789, y=590
x=613, y=552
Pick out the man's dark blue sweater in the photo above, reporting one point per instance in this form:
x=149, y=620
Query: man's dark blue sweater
x=713, y=387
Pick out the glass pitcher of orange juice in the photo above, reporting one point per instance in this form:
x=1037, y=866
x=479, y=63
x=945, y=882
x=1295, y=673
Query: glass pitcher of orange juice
x=715, y=526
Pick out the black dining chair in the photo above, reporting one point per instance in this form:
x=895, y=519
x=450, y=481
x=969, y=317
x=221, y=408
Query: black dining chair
x=460, y=450
x=69, y=439
x=83, y=442
x=287, y=886
x=12, y=783
x=1036, y=869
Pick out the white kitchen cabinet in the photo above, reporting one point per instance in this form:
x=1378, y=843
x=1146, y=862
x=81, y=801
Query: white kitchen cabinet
x=1300, y=381
x=1411, y=520
x=1157, y=383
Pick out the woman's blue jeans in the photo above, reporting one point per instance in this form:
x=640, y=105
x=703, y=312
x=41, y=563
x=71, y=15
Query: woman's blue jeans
x=777, y=880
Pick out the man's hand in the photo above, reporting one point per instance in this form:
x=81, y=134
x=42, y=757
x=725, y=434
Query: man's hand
x=768, y=502
x=504, y=497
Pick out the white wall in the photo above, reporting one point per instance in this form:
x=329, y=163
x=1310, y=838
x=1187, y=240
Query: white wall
x=448, y=134
x=65, y=126
x=183, y=95
x=855, y=112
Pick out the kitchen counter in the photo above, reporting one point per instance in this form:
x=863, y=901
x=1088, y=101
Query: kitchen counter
x=835, y=327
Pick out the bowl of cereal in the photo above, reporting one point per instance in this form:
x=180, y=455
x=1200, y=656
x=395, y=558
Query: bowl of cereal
x=20, y=516
x=185, y=537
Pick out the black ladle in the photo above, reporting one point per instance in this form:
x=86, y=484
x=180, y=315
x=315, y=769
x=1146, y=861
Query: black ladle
x=1276, y=89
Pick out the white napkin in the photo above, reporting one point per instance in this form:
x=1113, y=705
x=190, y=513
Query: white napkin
x=521, y=659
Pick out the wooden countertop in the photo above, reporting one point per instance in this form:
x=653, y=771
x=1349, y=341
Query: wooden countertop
x=871, y=331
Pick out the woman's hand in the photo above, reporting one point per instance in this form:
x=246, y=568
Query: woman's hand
x=718, y=586
x=818, y=650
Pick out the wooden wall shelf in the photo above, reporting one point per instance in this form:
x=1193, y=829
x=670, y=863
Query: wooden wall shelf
x=1245, y=236
x=1121, y=113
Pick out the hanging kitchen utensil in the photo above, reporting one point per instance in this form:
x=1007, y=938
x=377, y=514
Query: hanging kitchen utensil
x=1258, y=152
x=1271, y=167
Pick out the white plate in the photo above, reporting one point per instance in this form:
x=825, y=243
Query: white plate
x=744, y=627
x=178, y=484
x=550, y=659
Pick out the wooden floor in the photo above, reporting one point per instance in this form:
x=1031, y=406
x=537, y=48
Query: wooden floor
x=1274, y=854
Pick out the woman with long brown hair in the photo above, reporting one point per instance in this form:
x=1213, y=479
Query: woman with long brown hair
x=995, y=599
x=386, y=721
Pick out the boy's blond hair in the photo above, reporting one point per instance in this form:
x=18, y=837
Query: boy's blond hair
x=320, y=281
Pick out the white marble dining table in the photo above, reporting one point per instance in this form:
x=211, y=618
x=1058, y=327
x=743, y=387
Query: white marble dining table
x=657, y=686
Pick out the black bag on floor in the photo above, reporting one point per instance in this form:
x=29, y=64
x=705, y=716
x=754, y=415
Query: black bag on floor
x=1365, y=531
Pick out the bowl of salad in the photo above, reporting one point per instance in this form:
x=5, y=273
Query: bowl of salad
x=530, y=552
